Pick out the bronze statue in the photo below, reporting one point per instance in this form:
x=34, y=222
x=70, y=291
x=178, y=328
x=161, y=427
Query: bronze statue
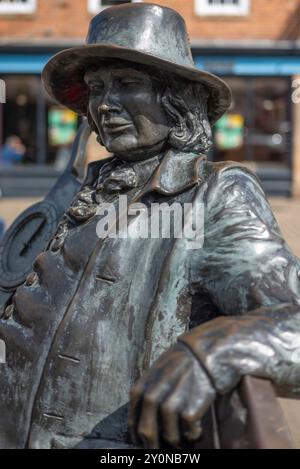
x=99, y=317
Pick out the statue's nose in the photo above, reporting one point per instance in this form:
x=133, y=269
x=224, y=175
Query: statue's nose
x=109, y=101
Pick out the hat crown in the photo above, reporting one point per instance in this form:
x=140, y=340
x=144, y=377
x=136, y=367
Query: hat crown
x=144, y=27
x=142, y=33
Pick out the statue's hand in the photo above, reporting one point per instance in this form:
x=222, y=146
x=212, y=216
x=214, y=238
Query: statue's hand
x=168, y=402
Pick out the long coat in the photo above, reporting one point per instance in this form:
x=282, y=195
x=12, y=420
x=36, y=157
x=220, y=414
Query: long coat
x=102, y=310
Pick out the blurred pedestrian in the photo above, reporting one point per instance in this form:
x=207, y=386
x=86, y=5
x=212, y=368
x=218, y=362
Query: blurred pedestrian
x=12, y=152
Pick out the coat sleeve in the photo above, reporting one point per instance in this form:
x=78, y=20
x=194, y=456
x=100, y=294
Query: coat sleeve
x=252, y=278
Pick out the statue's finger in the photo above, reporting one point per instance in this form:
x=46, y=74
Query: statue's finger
x=194, y=410
x=145, y=397
x=169, y=413
x=148, y=428
x=193, y=431
x=136, y=398
x=172, y=408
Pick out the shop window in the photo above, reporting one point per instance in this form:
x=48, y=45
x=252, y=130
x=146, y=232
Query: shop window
x=19, y=121
x=94, y=6
x=222, y=7
x=17, y=6
x=34, y=130
x=257, y=129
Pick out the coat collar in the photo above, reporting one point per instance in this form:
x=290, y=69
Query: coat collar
x=176, y=172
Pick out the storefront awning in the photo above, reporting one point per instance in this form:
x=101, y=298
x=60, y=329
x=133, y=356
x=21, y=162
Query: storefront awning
x=25, y=63
x=219, y=64
x=249, y=65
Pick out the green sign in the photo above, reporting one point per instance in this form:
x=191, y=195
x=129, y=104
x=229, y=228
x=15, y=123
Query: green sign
x=230, y=132
x=62, y=126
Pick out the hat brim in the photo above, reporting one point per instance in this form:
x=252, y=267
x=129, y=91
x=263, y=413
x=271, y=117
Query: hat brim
x=63, y=76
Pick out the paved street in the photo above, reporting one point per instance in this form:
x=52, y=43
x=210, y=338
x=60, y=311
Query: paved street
x=287, y=212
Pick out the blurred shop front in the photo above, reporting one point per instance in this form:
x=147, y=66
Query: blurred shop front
x=258, y=129
x=44, y=129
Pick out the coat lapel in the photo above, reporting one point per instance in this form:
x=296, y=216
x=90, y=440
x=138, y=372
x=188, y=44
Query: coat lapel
x=177, y=173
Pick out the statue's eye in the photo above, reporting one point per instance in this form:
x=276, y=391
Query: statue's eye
x=128, y=81
x=96, y=87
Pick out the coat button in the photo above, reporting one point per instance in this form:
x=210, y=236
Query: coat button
x=56, y=244
x=31, y=279
x=8, y=312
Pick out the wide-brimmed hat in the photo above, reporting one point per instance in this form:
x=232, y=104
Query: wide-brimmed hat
x=142, y=33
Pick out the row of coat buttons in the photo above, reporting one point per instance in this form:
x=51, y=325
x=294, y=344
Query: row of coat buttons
x=10, y=309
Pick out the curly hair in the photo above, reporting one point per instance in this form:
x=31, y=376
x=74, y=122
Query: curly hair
x=185, y=104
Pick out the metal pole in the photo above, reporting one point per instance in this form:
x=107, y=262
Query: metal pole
x=41, y=127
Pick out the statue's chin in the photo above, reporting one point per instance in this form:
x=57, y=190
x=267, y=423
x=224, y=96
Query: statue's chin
x=136, y=153
x=135, y=156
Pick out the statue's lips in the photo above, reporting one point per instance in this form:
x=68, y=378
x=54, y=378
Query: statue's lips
x=116, y=125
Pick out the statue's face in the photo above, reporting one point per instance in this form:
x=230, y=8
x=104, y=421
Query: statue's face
x=126, y=109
